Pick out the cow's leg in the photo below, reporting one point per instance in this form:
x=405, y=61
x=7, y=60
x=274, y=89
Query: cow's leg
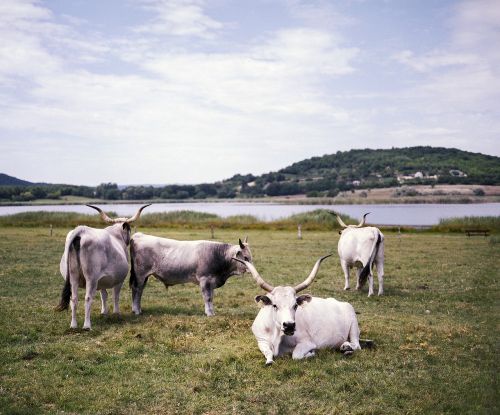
x=90, y=291
x=116, y=298
x=304, y=350
x=137, y=289
x=74, y=303
x=353, y=344
x=207, y=291
x=104, y=301
x=380, y=276
x=358, y=273
x=370, y=284
x=345, y=268
x=265, y=348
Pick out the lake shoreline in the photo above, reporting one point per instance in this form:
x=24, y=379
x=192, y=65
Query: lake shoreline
x=418, y=194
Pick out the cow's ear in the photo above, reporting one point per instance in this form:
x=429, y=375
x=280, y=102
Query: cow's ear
x=301, y=300
x=264, y=298
x=241, y=244
x=126, y=226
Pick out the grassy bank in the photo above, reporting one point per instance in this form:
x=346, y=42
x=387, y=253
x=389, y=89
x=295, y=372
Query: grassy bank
x=436, y=331
x=316, y=220
x=469, y=222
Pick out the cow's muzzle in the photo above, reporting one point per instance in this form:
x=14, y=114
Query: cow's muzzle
x=289, y=328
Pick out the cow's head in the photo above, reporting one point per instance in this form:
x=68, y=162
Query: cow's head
x=121, y=224
x=283, y=300
x=243, y=253
x=344, y=226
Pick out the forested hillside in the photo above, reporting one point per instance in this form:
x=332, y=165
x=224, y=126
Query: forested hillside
x=331, y=173
x=318, y=176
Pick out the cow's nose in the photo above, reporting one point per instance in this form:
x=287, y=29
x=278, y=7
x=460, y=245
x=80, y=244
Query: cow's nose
x=289, y=326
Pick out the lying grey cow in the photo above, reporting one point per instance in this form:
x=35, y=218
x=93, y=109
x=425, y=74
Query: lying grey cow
x=95, y=259
x=361, y=247
x=174, y=262
x=302, y=324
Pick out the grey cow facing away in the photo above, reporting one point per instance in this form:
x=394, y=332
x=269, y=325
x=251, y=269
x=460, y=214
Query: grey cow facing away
x=95, y=259
x=206, y=263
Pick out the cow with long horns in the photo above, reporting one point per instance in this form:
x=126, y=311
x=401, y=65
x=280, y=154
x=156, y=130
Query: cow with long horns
x=206, y=263
x=301, y=324
x=95, y=259
x=361, y=247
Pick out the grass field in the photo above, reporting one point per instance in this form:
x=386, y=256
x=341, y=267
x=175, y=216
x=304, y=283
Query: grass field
x=436, y=330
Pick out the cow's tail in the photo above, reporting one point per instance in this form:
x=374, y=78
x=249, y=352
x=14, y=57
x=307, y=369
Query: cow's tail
x=73, y=244
x=133, y=277
x=363, y=276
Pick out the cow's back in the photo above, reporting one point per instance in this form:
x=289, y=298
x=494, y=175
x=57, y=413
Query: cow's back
x=171, y=260
x=326, y=321
x=355, y=244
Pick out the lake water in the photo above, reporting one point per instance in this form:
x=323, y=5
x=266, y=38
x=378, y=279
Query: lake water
x=406, y=214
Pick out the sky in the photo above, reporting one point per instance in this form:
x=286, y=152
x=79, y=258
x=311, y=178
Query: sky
x=192, y=91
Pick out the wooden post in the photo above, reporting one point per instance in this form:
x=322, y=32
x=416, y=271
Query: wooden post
x=212, y=231
x=50, y=230
x=299, y=231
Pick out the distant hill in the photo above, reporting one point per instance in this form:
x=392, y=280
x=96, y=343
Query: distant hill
x=344, y=170
x=6, y=180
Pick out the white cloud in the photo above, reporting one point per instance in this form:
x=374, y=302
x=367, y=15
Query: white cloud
x=179, y=18
x=435, y=60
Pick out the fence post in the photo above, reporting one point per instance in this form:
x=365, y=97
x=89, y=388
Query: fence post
x=212, y=231
x=50, y=230
x=299, y=231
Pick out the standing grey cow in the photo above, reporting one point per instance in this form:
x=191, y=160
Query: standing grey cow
x=174, y=262
x=362, y=248
x=302, y=324
x=95, y=259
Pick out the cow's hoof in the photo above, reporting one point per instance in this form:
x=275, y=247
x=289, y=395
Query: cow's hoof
x=348, y=353
x=346, y=348
x=86, y=328
x=347, y=288
x=269, y=363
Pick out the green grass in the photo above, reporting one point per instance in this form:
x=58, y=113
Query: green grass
x=470, y=222
x=436, y=331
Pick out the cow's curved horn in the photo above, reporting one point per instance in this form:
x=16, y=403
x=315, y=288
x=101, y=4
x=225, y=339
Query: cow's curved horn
x=136, y=216
x=258, y=279
x=104, y=217
x=340, y=221
x=312, y=275
x=362, y=220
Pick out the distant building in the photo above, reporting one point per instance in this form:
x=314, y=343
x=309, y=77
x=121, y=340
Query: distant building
x=457, y=173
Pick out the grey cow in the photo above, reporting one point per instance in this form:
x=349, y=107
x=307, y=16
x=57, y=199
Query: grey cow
x=95, y=259
x=205, y=263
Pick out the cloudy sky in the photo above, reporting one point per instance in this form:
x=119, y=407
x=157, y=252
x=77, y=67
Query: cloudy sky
x=190, y=91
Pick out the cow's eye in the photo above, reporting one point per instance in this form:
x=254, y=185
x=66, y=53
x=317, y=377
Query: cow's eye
x=295, y=306
x=275, y=306
x=245, y=258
